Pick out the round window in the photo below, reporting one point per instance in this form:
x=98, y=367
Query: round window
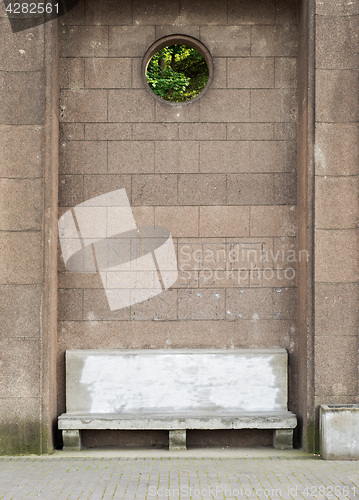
x=177, y=69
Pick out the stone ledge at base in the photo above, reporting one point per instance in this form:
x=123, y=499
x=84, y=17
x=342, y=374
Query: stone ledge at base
x=282, y=424
x=176, y=390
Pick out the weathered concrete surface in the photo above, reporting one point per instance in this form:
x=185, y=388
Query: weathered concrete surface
x=71, y=440
x=339, y=432
x=223, y=474
x=239, y=420
x=177, y=440
x=177, y=390
x=28, y=282
x=162, y=381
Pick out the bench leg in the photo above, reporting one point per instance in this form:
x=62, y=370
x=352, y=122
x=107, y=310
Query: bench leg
x=177, y=440
x=71, y=440
x=283, y=439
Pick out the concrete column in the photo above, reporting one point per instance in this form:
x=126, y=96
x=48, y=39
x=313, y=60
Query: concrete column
x=28, y=201
x=336, y=202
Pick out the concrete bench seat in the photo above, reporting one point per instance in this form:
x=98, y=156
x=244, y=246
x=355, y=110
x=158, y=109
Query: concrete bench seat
x=176, y=390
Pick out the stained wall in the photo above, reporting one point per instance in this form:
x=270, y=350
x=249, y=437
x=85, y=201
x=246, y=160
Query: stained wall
x=219, y=173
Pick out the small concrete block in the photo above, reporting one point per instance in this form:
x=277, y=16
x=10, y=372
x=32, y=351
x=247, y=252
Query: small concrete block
x=160, y=189
x=83, y=105
x=202, y=131
x=72, y=131
x=20, y=366
x=273, y=156
x=339, y=432
x=276, y=220
x=184, y=156
x=71, y=440
x=273, y=105
x=337, y=95
x=109, y=73
x=22, y=51
x=337, y=259
x=20, y=257
x=83, y=157
x=336, y=366
x=201, y=304
x=130, y=106
x=227, y=41
x=273, y=41
x=130, y=41
x=337, y=149
x=164, y=12
x=74, y=16
x=155, y=132
x=181, y=221
x=283, y=439
x=25, y=213
x=225, y=156
x=205, y=13
x=84, y=41
x=259, y=12
x=177, y=114
x=285, y=189
x=109, y=12
x=71, y=190
x=107, y=131
x=250, y=72
x=177, y=440
x=250, y=189
x=286, y=72
x=217, y=221
x=334, y=36
x=226, y=105
x=18, y=87
x=94, y=185
x=19, y=146
x=250, y=132
x=72, y=72
x=136, y=157
x=337, y=202
x=175, y=29
x=338, y=309
x=201, y=189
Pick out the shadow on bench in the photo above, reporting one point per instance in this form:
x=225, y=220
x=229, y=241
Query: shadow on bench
x=176, y=390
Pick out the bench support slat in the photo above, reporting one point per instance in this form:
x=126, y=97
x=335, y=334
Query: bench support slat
x=71, y=440
x=177, y=440
x=283, y=439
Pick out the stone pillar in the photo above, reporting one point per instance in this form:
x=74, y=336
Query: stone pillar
x=305, y=186
x=28, y=215
x=336, y=202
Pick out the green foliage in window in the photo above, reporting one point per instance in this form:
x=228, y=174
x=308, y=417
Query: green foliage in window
x=177, y=73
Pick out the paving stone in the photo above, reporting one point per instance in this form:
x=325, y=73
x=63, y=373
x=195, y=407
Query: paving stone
x=187, y=476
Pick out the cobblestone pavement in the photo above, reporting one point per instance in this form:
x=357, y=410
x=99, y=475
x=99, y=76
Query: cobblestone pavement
x=185, y=477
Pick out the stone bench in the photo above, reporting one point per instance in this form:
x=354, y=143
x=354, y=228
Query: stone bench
x=176, y=390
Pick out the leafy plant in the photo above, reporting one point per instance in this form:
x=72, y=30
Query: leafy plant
x=177, y=73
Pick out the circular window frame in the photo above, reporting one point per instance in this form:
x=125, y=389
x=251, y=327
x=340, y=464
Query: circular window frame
x=177, y=40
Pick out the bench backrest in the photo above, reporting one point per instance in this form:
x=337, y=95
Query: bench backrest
x=176, y=381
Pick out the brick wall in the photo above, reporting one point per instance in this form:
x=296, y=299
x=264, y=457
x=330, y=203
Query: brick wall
x=219, y=173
